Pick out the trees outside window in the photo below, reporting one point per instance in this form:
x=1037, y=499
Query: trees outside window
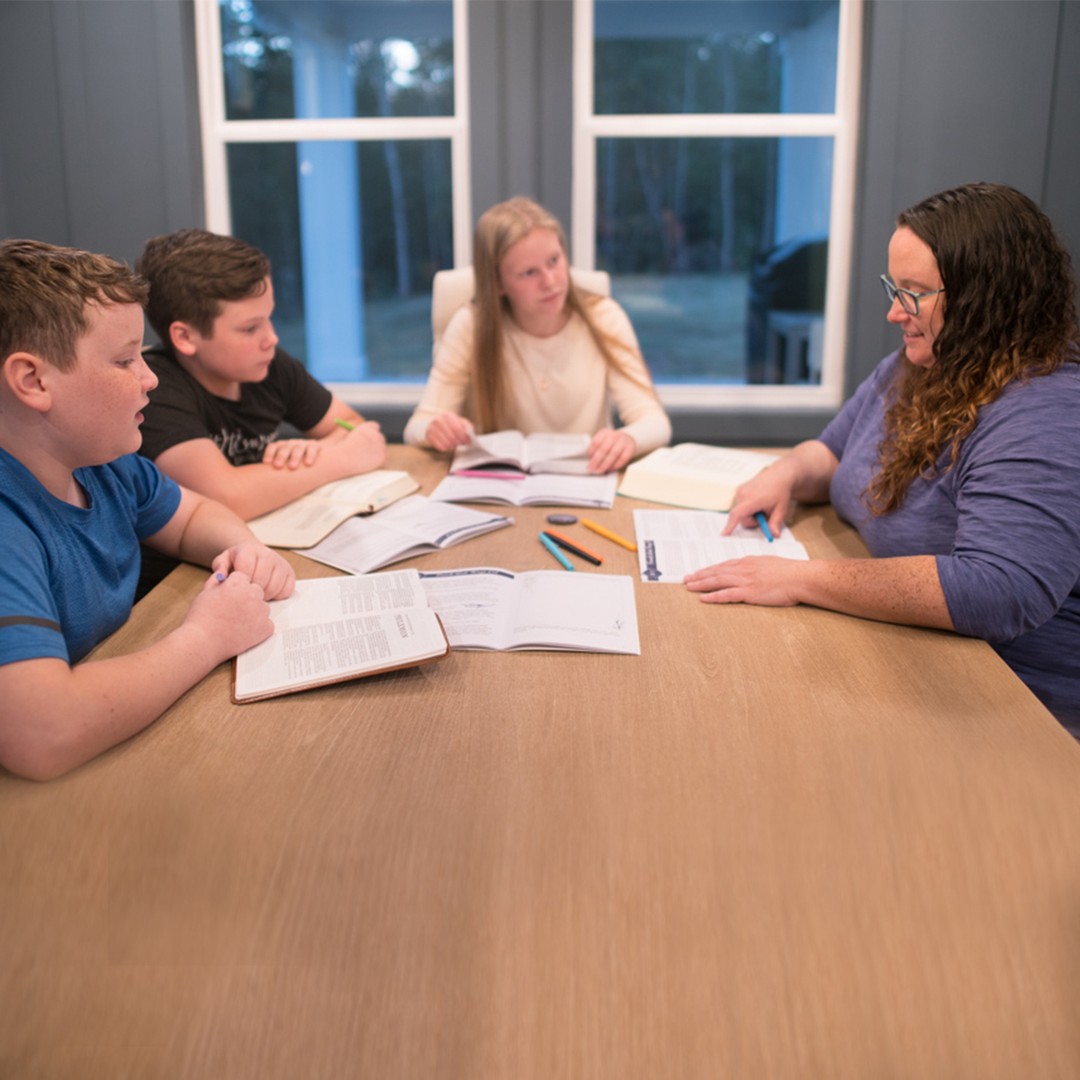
x=715, y=143
x=713, y=158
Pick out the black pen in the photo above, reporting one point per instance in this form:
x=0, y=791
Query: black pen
x=565, y=544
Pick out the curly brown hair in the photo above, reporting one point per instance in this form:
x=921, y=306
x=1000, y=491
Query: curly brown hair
x=1010, y=315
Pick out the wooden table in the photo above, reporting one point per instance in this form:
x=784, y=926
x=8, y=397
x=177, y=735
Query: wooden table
x=779, y=843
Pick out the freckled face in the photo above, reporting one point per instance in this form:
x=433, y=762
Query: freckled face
x=535, y=279
x=97, y=404
x=912, y=266
x=239, y=347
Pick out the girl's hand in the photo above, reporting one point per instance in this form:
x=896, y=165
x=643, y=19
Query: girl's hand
x=610, y=451
x=449, y=431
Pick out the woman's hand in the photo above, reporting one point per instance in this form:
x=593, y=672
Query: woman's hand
x=768, y=493
x=756, y=579
x=610, y=450
x=447, y=431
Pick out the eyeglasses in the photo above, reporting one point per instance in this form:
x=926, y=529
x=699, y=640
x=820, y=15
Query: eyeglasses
x=909, y=300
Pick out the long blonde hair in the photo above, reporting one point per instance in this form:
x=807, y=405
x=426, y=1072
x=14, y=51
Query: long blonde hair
x=498, y=229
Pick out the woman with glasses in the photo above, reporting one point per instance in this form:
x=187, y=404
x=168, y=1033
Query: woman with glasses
x=958, y=459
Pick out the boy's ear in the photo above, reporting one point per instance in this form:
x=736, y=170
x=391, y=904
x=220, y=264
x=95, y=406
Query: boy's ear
x=26, y=377
x=184, y=338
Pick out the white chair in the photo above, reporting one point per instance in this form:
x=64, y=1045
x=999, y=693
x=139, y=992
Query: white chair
x=452, y=288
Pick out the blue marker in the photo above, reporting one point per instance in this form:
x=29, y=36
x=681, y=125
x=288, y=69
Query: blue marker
x=553, y=548
x=763, y=522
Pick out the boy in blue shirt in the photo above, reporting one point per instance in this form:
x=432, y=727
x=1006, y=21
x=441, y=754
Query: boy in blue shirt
x=76, y=500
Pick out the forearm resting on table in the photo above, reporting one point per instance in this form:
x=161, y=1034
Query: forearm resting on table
x=901, y=590
x=57, y=717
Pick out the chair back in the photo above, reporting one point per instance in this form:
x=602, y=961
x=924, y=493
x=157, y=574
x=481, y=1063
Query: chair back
x=452, y=288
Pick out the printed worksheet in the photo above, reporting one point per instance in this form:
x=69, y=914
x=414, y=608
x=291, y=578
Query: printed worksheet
x=485, y=607
x=674, y=543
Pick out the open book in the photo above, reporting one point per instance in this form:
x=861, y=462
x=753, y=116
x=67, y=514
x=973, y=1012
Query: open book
x=537, y=453
x=541, y=489
x=674, y=543
x=691, y=474
x=338, y=628
x=305, y=521
x=414, y=526
x=488, y=608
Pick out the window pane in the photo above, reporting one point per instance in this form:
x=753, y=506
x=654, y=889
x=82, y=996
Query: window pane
x=715, y=56
x=355, y=232
x=718, y=251
x=323, y=58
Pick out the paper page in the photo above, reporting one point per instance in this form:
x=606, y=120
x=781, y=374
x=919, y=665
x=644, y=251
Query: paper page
x=706, y=462
x=491, y=608
x=317, y=512
x=473, y=604
x=565, y=453
x=593, y=612
x=359, y=545
x=505, y=446
x=674, y=543
x=336, y=627
x=537, y=489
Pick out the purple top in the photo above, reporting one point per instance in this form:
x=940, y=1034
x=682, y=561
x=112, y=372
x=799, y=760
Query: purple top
x=1004, y=522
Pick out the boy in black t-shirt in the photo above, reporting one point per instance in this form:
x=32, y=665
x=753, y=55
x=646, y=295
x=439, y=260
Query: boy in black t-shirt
x=225, y=387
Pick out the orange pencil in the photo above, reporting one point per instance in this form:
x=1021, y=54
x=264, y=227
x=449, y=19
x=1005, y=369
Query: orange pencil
x=607, y=534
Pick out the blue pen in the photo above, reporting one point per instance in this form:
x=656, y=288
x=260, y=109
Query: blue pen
x=553, y=548
x=763, y=522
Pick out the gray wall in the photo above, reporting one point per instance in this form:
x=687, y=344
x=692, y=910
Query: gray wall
x=99, y=129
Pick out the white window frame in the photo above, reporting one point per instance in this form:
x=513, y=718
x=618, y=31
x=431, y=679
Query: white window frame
x=842, y=126
x=218, y=133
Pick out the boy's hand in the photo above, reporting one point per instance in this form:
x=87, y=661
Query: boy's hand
x=292, y=453
x=259, y=565
x=231, y=612
x=365, y=447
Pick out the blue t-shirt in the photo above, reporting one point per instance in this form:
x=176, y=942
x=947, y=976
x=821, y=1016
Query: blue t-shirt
x=68, y=576
x=1004, y=522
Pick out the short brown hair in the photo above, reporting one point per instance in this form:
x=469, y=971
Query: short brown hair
x=44, y=292
x=193, y=272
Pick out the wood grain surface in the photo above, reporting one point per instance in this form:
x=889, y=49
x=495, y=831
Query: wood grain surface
x=779, y=843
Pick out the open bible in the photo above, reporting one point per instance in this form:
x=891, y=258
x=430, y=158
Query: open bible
x=305, y=521
x=536, y=453
x=338, y=628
